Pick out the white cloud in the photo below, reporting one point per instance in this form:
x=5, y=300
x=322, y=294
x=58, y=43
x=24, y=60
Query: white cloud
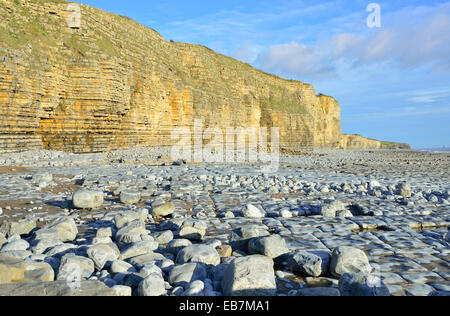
x=413, y=38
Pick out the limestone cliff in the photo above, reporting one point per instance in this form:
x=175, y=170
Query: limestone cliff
x=113, y=83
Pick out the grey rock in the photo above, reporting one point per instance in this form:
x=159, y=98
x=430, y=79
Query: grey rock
x=250, y=276
x=163, y=210
x=312, y=263
x=138, y=249
x=403, y=189
x=63, y=228
x=15, y=245
x=42, y=245
x=152, y=285
x=349, y=260
x=130, y=197
x=174, y=246
x=271, y=246
x=84, y=199
x=21, y=227
x=198, y=253
x=103, y=254
x=75, y=268
x=182, y=275
x=251, y=211
x=164, y=237
x=241, y=236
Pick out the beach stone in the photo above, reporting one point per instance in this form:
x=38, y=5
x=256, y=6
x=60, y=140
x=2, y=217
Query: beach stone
x=152, y=285
x=251, y=211
x=163, y=210
x=349, y=260
x=240, y=237
x=120, y=266
x=193, y=230
x=126, y=217
x=103, y=254
x=174, y=246
x=38, y=272
x=330, y=210
x=139, y=248
x=130, y=197
x=250, y=276
x=15, y=245
x=61, y=250
x=62, y=228
x=11, y=269
x=312, y=263
x=127, y=234
x=404, y=189
x=271, y=246
x=40, y=246
x=198, y=253
x=182, y=275
x=163, y=238
x=151, y=269
x=359, y=284
x=84, y=199
x=21, y=227
x=150, y=258
x=75, y=268
x=42, y=177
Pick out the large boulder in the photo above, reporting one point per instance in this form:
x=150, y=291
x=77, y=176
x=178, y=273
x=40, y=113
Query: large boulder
x=250, y=276
x=62, y=228
x=251, y=211
x=311, y=263
x=152, y=285
x=139, y=248
x=11, y=270
x=359, y=284
x=182, y=275
x=193, y=229
x=84, y=199
x=241, y=236
x=199, y=253
x=174, y=246
x=128, y=233
x=38, y=272
x=271, y=246
x=403, y=189
x=163, y=210
x=128, y=216
x=130, y=197
x=103, y=255
x=75, y=268
x=349, y=260
x=331, y=210
x=22, y=227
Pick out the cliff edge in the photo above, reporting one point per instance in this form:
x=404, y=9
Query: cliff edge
x=112, y=83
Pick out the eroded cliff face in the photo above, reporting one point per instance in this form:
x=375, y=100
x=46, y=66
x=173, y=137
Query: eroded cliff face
x=113, y=83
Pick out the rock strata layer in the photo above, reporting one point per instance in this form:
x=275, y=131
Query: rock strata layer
x=112, y=83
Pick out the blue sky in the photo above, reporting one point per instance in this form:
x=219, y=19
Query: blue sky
x=393, y=82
